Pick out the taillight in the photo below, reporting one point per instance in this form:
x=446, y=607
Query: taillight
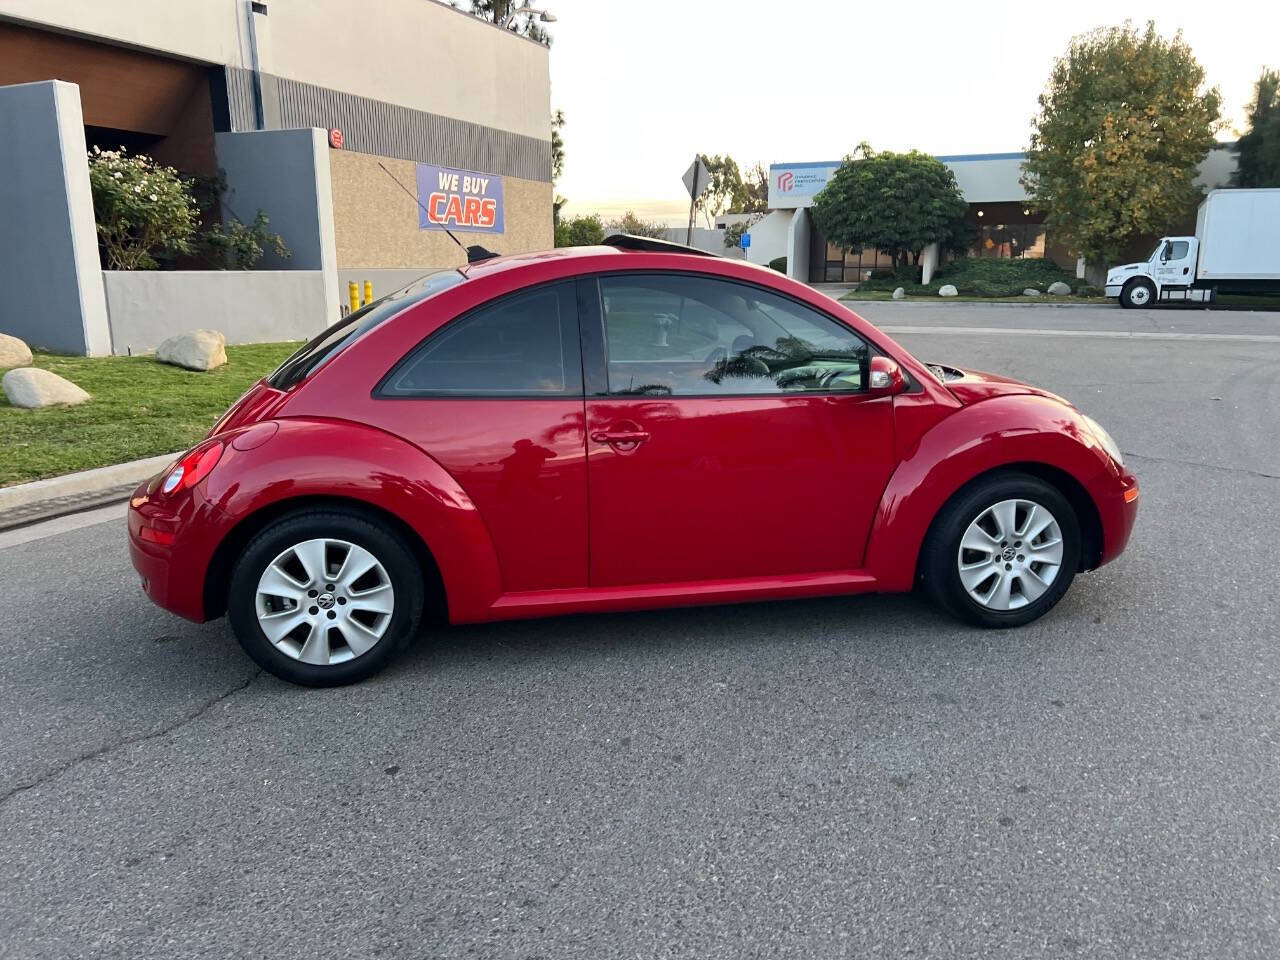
x=192, y=468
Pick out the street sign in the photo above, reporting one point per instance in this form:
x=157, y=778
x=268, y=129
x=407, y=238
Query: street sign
x=745, y=241
x=696, y=178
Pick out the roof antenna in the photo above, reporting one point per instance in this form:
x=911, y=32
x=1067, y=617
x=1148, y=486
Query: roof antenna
x=475, y=253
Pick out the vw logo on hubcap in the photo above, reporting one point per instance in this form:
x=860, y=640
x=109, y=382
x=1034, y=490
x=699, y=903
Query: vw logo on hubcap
x=1007, y=554
x=325, y=601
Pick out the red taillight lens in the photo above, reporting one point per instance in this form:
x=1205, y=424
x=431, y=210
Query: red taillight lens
x=192, y=468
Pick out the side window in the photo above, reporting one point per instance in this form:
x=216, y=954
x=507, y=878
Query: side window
x=1177, y=249
x=697, y=336
x=522, y=345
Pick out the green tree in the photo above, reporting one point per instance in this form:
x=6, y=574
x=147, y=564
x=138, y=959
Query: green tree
x=1258, y=151
x=143, y=209
x=723, y=192
x=241, y=245
x=897, y=202
x=512, y=15
x=557, y=162
x=637, y=226
x=580, y=231
x=755, y=191
x=1124, y=122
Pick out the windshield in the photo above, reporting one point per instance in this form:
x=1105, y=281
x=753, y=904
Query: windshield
x=345, y=332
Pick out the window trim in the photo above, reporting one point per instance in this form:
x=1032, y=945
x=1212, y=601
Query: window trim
x=596, y=376
x=570, y=346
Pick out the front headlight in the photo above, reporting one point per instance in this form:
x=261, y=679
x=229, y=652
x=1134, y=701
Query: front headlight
x=1108, y=442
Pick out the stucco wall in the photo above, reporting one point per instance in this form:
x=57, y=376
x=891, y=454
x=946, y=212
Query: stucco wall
x=376, y=223
x=208, y=30
x=249, y=306
x=415, y=53
x=49, y=268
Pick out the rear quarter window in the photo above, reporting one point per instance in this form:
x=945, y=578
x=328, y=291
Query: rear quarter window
x=341, y=335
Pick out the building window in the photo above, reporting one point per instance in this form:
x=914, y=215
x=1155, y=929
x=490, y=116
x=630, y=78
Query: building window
x=1008, y=240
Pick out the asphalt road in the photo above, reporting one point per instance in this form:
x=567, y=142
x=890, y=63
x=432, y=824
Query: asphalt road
x=810, y=779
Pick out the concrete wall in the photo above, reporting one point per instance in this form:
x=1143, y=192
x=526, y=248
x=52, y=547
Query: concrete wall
x=798, y=245
x=376, y=223
x=769, y=237
x=704, y=239
x=249, y=306
x=285, y=174
x=49, y=267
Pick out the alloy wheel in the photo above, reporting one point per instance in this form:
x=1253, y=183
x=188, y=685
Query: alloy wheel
x=1010, y=555
x=324, y=601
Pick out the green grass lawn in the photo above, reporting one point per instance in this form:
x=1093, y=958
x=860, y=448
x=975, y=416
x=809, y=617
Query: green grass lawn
x=140, y=408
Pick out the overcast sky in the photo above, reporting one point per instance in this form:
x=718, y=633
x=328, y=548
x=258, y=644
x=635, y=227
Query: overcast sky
x=647, y=84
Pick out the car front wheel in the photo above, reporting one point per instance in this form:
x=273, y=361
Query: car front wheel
x=1003, y=552
x=323, y=598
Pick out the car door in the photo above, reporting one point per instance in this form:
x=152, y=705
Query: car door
x=495, y=397
x=729, y=432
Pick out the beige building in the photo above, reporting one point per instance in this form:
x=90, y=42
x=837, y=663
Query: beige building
x=456, y=109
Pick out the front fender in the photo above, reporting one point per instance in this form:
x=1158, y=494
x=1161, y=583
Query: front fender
x=1001, y=431
x=311, y=457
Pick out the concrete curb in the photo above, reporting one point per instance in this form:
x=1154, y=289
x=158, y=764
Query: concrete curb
x=43, y=499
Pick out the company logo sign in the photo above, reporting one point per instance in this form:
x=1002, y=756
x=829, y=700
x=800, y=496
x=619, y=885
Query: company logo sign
x=794, y=185
x=459, y=200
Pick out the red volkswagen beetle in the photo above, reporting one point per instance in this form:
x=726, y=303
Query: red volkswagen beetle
x=609, y=428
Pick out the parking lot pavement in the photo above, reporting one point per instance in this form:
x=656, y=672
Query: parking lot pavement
x=847, y=777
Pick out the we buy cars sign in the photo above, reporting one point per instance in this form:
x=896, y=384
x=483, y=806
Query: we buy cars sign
x=459, y=199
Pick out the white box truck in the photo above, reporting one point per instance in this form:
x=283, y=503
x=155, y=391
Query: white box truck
x=1236, y=249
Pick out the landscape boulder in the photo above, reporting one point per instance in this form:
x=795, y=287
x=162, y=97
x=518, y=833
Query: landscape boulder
x=947, y=290
x=1031, y=292
x=13, y=352
x=899, y=293
x=1060, y=289
x=32, y=387
x=197, y=350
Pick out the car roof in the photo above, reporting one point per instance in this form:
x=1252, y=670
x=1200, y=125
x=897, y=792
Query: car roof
x=640, y=253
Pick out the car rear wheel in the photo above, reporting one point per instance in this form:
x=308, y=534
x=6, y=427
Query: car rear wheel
x=1138, y=293
x=1003, y=552
x=323, y=598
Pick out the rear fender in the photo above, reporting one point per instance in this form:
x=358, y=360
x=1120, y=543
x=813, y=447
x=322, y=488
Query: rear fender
x=985, y=436
x=340, y=459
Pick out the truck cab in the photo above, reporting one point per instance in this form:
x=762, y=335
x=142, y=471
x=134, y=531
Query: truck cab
x=1168, y=274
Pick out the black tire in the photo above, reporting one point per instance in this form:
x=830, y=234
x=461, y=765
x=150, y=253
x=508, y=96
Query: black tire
x=396, y=559
x=939, y=567
x=1127, y=294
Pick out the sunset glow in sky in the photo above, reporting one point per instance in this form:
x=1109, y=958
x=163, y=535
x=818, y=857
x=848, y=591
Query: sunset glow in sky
x=647, y=84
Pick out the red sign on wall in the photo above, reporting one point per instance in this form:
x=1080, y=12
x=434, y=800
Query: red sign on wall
x=335, y=138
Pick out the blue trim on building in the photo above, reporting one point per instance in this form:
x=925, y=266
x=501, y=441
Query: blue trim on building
x=962, y=157
x=812, y=163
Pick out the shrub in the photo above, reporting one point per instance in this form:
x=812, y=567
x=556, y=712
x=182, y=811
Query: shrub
x=239, y=245
x=1088, y=291
x=979, y=277
x=143, y=209
x=637, y=226
x=779, y=264
x=581, y=231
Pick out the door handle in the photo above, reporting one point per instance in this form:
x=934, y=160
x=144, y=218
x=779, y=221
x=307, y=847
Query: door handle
x=620, y=437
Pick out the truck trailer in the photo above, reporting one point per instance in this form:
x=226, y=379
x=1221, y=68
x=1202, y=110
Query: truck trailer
x=1236, y=249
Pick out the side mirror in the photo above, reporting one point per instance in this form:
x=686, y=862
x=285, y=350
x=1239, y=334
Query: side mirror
x=886, y=377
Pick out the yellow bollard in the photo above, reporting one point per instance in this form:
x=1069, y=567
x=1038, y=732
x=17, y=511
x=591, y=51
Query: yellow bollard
x=353, y=295
x=368, y=291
